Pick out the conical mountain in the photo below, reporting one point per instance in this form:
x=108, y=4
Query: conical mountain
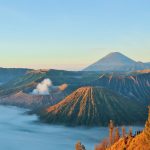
x=116, y=61
x=116, y=58
x=92, y=106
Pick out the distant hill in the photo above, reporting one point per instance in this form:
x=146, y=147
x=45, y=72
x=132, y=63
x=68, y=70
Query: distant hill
x=7, y=74
x=28, y=81
x=117, y=62
x=134, y=85
x=26, y=100
x=93, y=106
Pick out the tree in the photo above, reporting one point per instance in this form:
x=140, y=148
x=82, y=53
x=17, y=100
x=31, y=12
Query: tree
x=123, y=132
x=79, y=146
x=130, y=132
x=111, y=129
x=117, y=135
x=147, y=125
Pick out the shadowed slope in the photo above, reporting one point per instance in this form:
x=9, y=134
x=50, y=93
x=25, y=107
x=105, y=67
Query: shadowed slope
x=93, y=106
x=132, y=86
x=7, y=74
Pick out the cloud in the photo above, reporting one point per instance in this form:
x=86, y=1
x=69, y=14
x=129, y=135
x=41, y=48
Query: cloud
x=43, y=88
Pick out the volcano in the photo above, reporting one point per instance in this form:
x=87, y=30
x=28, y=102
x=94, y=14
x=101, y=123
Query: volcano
x=93, y=106
x=116, y=61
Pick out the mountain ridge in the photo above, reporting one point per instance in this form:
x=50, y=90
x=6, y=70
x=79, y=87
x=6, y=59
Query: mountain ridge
x=116, y=61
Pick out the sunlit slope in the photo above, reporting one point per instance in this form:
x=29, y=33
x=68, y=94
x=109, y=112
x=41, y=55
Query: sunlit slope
x=139, y=142
x=93, y=106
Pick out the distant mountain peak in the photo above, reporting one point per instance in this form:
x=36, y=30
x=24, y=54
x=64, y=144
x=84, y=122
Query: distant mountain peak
x=115, y=53
x=116, y=57
x=116, y=61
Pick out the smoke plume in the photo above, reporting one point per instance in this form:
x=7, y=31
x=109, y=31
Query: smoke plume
x=43, y=88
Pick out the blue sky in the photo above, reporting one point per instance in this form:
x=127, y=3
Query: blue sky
x=70, y=34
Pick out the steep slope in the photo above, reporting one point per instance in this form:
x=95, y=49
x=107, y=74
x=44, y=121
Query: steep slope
x=117, y=62
x=93, y=106
x=132, y=86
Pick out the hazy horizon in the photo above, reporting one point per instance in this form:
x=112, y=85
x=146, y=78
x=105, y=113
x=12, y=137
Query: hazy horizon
x=70, y=35
x=63, y=68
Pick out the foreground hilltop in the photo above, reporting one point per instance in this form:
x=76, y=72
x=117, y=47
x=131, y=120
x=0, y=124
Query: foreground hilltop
x=139, y=142
x=93, y=106
x=127, y=141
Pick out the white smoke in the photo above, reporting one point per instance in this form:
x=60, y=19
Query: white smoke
x=43, y=88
